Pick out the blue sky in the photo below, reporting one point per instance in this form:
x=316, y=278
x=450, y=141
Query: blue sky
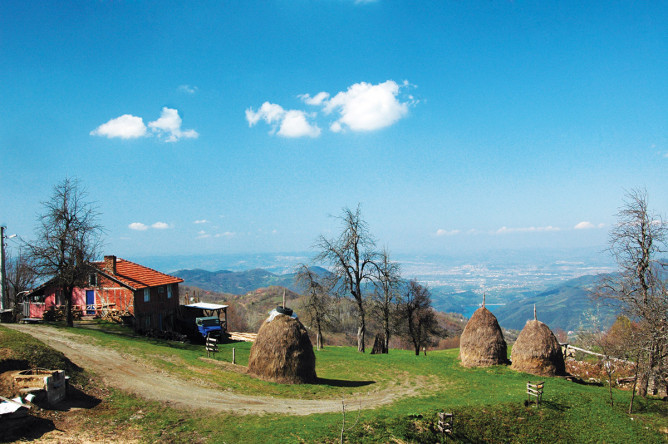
x=232, y=127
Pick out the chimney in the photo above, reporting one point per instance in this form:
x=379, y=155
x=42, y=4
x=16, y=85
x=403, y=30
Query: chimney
x=110, y=264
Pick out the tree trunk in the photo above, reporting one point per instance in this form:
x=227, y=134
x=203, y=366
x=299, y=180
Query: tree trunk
x=361, y=330
x=68, y=305
x=635, y=383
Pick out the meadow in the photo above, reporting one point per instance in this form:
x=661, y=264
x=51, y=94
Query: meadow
x=488, y=403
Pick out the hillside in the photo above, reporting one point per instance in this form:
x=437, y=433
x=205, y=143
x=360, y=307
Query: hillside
x=174, y=393
x=565, y=306
x=238, y=282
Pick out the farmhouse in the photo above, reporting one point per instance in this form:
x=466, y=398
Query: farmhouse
x=150, y=297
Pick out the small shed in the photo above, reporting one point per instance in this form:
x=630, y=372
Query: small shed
x=187, y=315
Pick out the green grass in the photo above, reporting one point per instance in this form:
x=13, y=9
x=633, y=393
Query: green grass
x=18, y=351
x=488, y=403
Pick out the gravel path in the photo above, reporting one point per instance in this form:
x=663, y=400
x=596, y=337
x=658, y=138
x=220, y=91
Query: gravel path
x=135, y=375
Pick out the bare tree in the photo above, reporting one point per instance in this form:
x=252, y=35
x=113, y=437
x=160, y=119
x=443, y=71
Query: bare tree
x=420, y=320
x=351, y=257
x=387, y=282
x=66, y=239
x=21, y=276
x=635, y=241
x=318, y=305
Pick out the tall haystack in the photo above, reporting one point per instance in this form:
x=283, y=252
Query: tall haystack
x=482, y=343
x=537, y=351
x=283, y=352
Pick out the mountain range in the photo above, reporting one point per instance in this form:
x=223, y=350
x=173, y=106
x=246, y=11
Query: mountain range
x=565, y=306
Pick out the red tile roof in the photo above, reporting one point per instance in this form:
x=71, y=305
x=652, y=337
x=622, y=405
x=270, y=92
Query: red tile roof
x=137, y=276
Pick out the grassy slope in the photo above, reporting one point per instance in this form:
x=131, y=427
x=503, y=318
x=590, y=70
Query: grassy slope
x=488, y=403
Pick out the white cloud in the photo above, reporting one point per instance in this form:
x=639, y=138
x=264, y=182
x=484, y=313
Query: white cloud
x=202, y=235
x=188, y=89
x=201, y=221
x=291, y=123
x=138, y=226
x=505, y=230
x=442, y=232
x=169, y=125
x=294, y=124
x=316, y=100
x=225, y=234
x=126, y=126
x=160, y=226
x=584, y=225
x=367, y=107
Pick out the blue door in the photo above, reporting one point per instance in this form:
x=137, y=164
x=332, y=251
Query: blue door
x=90, y=302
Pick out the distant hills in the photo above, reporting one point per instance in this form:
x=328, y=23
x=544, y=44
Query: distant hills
x=565, y=306
x=239, y=282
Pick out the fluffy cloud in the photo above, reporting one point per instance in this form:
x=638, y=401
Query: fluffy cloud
x=442, y=232
x=367, y=107
x=138, y=226
x=160, y=226
x=584, y=225
x=316, y=100
x=362, y=107
x=290, y=123
x=169, y=126
x=126, y=126
x=504, y=230
x=201, y=221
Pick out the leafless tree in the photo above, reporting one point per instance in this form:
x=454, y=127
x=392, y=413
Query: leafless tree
x=420, y=321
x=635, y=241
x=21, y=276
x=351, y=256
x=318, y=304
x=67, y=238
x=386, y=295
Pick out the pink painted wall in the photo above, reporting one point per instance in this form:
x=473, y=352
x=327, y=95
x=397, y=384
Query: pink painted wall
x=37, y=309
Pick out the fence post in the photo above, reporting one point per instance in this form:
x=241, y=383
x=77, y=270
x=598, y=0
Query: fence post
x=234, y=358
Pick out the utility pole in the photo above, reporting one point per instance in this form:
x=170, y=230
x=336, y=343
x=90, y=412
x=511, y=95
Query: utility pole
x=4, y=297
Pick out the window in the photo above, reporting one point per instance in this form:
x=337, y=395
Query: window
x=169, y=292
x=147, y=294
x=92, y=279
x=161, y=291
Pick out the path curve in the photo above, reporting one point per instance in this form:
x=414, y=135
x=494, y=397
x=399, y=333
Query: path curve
x=130, y=373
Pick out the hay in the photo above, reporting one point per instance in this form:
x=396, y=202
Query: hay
x=482, y=343
x=283, y=352
x=537, y=351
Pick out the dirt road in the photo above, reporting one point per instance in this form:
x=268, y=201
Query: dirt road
x=135, y=375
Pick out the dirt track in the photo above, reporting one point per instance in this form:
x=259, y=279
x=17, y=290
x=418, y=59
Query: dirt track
x=134, y=375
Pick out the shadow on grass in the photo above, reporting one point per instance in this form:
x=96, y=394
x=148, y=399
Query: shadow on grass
x=343, y=382
x=551, y=405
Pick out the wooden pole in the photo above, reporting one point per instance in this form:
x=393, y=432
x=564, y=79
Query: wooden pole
x=234, y=357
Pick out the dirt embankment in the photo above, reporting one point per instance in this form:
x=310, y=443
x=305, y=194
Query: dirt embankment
x=132, y=374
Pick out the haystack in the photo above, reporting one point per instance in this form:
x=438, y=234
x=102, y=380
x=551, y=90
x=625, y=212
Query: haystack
x=482, y=343
x=537, y=351
x=283, y=352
